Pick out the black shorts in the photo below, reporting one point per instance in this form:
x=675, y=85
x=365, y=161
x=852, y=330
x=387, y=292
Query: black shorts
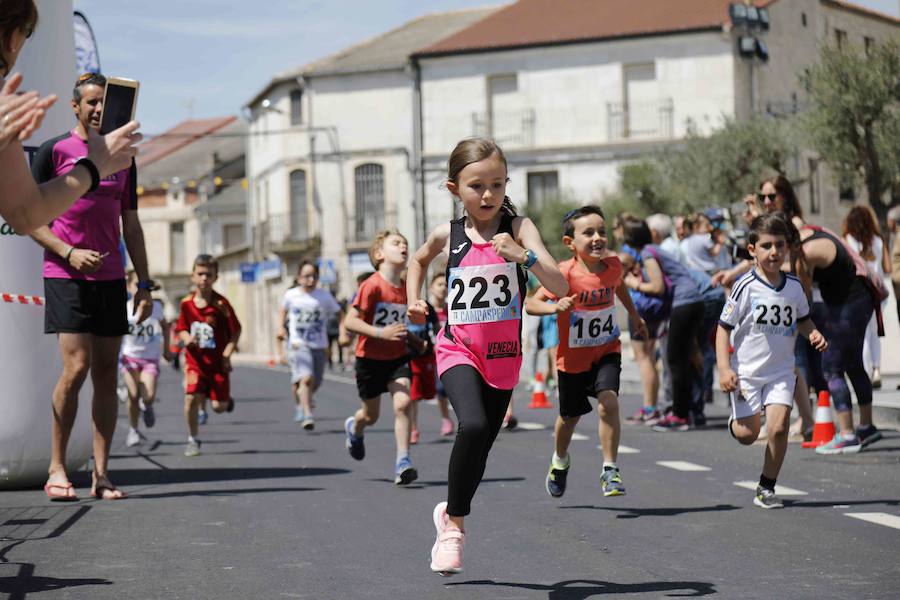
x=79, y=306
x=373, y=376
x=574, y=388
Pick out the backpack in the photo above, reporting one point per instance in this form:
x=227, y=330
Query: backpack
x=655, y=308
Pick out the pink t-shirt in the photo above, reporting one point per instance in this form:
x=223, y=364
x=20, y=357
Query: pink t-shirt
x=93, y=222
x=484, y=304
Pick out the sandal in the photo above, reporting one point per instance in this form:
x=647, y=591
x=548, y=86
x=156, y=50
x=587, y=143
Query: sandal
x=99, y=492
x=62, y=496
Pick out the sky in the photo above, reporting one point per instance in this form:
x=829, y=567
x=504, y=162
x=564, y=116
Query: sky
x=208, y=58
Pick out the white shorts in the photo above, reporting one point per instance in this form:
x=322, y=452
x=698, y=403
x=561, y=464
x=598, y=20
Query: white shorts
x=307, y=362
x=754, y=395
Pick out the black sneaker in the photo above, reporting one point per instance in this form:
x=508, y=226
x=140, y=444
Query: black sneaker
x=556, y=480
x=868, y=435
x=611, y=483
x=354, y=443
x=230, y=405
x=766, y=498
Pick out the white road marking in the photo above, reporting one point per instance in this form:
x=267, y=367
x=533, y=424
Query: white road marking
x=780, y=490
x=680, y=465
x=878, y=518
x=531, y=426
x=623, y=449
x=579, y=437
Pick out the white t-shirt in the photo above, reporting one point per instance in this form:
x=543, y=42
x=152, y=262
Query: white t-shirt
x=764, y=322
x=144, y=340
x=877, y=249
x=308, y=315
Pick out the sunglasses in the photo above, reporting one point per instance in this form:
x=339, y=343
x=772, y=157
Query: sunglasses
x=771, y=197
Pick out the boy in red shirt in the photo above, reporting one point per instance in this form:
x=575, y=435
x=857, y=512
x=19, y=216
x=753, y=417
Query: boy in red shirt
x=378, y=316
x=589, y=358
x=209, y=331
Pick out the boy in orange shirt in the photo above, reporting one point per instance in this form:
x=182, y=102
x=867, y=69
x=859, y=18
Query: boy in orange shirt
x=378, y=316
x=589, y=358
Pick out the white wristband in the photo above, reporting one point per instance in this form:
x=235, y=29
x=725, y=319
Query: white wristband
x=378, y=331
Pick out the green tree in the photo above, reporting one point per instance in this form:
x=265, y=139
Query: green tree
x=854, y=116
x=548, y=221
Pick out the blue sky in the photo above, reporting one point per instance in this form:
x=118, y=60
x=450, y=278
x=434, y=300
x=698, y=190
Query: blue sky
x=206, y=58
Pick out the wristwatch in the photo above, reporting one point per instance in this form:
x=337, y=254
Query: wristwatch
x=530, y=259
x=147, y=284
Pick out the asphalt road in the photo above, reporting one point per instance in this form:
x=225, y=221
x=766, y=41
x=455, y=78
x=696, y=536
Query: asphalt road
x=271, y=511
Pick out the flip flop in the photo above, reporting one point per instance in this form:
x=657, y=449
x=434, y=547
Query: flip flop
x=100, y=489
x=59, y=497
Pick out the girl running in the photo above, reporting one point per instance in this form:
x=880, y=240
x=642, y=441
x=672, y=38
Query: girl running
x=479, y=350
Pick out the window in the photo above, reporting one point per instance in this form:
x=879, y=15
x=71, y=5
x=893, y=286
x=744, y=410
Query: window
x=641, y=101
x=369, y=214
x=543, y=188
x=176, y=244
x=803, y=19
x=870, y=45
x=840, y=38
x=299, y=217
x=297, y=107
x=233, y=235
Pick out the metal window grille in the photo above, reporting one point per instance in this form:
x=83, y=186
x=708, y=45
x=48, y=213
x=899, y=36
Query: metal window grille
x=369, y=214
x=299, y=224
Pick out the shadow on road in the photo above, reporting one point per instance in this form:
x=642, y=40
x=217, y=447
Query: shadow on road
x=634, y=513
x=836, y=503
x=222, y=493
x=582, y=589
x=26, y=583
x=423, y=484
x=134, y=477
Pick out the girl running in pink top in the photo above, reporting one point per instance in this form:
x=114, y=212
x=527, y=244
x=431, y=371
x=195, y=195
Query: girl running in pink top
x=479, y=349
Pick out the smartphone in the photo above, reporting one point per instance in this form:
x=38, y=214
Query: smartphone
x=119, y=103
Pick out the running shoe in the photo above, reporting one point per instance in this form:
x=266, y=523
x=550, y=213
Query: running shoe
x=446, y=427
x=133, y=439
x=644, y=414
x=611, y=483
x=230, y=405
x=766, y=498
x=192, y=448
x=354, y=443
x=299, y=416
x=840, y=445
x=556, y=479
x=148, y=413
x=868, y=435
x=698, y=419
x=414, y=436
x=405, y=472
x=308, y=423
x=446, y=554
x=202, y=417
x=672, y=423
x=510, y=422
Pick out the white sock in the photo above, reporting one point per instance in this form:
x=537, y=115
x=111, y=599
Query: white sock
x=560, y=463
x=610, y=465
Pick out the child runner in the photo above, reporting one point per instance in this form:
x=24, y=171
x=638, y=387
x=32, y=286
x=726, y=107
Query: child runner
x=766, y=309
x=209, y=330
x=479, y=350
x=589, y=360
x=305, y=313
x=378, y=316
x=141, y=349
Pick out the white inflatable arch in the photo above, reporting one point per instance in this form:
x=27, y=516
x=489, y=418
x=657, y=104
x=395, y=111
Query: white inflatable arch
x=29, y=360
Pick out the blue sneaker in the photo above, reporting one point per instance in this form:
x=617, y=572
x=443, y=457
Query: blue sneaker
x=611, y=483
x=841, y=445
x=405, y=472
x=868, y=435
x=354, y=443
x=556, y=479
x=298, y=415
x=202, y=417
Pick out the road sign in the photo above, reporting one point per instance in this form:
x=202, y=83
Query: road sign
x=327, y=272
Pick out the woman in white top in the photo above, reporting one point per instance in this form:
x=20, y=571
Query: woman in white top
x=861, y=231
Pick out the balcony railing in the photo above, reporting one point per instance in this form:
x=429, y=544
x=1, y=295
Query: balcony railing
x=649, y=120
x=510, y=129
x=283, y=229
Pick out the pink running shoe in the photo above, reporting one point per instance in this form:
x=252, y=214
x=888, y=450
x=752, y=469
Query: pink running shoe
x=446, y=554
x=446, y=427
x=414, y=436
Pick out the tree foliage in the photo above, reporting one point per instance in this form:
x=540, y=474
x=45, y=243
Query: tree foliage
x=854, y=117
x=548, y=221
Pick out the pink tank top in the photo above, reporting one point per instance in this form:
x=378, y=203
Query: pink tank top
x=484, y=310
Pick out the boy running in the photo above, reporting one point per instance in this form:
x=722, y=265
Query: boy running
x=766, y=309
x=378, y=316
x=141, y=350
x=589, y=358
x=305, y=312
x=209, y=330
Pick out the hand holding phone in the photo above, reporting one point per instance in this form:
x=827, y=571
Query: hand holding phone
x=119, y=103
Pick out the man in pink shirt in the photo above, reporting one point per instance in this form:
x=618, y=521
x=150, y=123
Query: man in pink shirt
x=84, y=284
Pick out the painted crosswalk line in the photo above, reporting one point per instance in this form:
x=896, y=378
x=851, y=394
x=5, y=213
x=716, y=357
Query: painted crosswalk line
x=878, y=518
x=780, y=490
x=680, y=465
x=531, y=426
x=623, y=449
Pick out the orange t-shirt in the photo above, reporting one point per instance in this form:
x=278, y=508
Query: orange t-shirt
x=380, y=304
x=591, y=322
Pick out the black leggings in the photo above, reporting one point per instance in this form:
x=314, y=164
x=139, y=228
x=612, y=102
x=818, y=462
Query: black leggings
x=479, y=411
x=685, y=336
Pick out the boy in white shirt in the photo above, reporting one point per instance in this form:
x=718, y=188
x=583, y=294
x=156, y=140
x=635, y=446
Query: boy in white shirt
x=305, y=313
x=766, y=310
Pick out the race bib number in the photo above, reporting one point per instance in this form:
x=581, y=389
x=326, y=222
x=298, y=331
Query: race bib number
x=484, y=294
x=387, y=313
x=589, y=328
x=774, y=316
x=204, y=334
x=309, y=325
x=145, y=332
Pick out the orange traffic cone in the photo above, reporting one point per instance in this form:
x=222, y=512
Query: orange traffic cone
x=823, y=431
x=539, y=396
